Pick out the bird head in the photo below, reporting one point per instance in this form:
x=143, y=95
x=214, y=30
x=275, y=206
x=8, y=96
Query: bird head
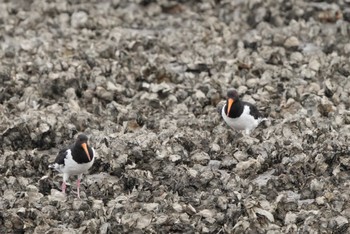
x=232, y=97
x=82, y=141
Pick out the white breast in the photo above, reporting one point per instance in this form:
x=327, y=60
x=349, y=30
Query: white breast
x=244, y=122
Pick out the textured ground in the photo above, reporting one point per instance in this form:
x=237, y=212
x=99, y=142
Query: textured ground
x=143, y=79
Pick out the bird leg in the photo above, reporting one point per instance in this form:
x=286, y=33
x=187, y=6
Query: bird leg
x=78, y=187
x=64, y=187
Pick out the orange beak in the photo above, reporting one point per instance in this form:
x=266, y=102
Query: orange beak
x=230, y=102
x=86, y=150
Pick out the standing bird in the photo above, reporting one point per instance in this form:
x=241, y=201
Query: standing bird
x=74, y=160
x=240, y=115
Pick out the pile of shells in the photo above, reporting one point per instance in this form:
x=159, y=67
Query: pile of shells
x=144, y=79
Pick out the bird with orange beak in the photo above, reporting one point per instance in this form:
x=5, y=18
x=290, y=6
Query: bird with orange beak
x=74, y=160
x=240, y=115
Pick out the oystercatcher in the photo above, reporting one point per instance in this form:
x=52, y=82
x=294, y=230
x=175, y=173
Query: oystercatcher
x=74, y=160
x=240, y=115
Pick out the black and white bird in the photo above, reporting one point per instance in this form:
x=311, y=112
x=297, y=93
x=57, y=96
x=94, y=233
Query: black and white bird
x=240, y=115
x=74, y=160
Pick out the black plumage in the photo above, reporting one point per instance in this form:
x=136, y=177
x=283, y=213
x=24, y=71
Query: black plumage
x=79, y=154
x=61, y=156
x=237, y=107
x=253, y=110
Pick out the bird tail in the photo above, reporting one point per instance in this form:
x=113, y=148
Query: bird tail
x=262, y=119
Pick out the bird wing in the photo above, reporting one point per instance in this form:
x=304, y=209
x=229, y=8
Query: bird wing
x=253, y=110
x=61, y=156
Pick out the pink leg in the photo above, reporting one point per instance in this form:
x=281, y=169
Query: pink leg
x=64, y=187
x=78, y=187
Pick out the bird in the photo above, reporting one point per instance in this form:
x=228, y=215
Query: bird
x=74, y=160
x=240, y=115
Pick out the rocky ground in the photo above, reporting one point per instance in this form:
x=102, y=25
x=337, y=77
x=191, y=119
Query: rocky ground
x=143, y=79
